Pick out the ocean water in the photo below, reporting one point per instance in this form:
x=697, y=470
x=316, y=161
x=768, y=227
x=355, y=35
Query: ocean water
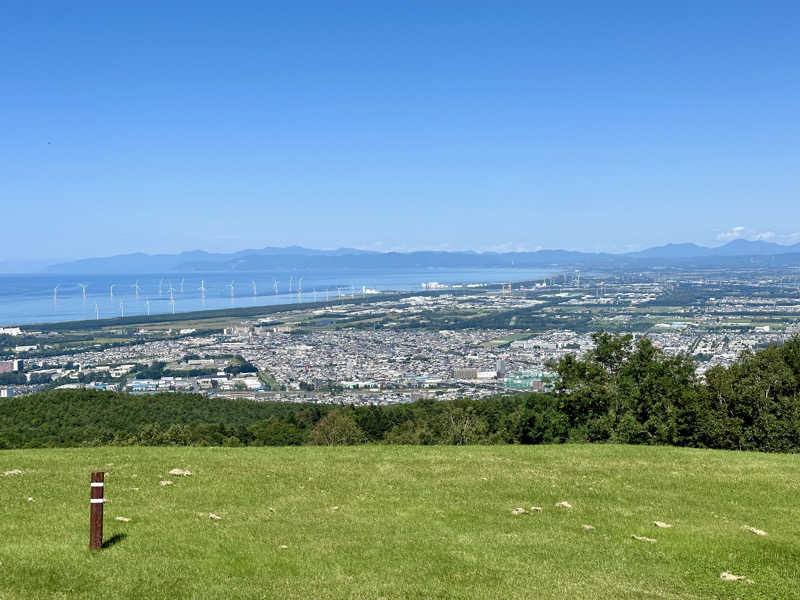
x=26, y=299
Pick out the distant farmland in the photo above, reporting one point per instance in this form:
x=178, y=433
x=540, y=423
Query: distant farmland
x=402, y=522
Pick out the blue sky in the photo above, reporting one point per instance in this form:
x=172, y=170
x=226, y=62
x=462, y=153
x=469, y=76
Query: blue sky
x=169, y=126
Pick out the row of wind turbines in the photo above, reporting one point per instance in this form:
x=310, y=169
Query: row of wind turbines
x=294, y=287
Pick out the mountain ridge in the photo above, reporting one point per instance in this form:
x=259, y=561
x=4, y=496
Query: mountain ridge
x=272, y=257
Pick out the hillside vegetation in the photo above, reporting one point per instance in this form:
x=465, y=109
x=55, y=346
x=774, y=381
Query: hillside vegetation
x=621, y=392
x=402, y=523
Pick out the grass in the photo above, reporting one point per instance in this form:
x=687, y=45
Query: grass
x=411, y=522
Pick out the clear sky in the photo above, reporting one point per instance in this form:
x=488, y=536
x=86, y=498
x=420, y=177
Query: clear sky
x=168, y=126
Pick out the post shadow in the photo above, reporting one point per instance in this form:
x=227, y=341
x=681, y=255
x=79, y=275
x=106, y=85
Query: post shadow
x=114, y=539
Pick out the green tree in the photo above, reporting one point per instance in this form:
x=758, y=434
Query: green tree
x=462, y=426
x=336, y=429
x=273, y=432
x=409, y=433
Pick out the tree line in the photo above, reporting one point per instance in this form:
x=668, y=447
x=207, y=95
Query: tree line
x=624, y=391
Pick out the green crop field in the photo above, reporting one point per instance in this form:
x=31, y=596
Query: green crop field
x=402, y=522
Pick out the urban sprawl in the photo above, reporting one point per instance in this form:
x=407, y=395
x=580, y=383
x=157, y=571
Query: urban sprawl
x=440, y=343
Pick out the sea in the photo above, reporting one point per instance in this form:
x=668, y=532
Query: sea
x=45, y=298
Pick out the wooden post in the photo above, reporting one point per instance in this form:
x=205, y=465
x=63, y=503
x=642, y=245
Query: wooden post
x=96, y=511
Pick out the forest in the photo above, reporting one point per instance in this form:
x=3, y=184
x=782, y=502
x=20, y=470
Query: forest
x=623, y=391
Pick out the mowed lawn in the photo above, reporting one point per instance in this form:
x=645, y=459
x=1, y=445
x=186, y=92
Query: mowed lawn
x=402, y=522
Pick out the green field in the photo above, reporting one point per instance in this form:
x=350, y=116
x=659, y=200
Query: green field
x=409, y=522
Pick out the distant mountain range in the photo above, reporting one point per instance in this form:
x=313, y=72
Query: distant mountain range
x=734, y=248
x=295, y=257
x=23, y=266
x=193, y=260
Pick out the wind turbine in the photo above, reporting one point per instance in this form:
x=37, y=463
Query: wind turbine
x=232, y=286
x=111, y=290
x=300, y=290
x=172, y=302
x=160, y=284
x=203, y=289
x=96, y=312
x=147, y=304
x=255, y=290
x=275, y=286
x=83, y=287
x=55, y=293
x=135, y=286
x=181, y=285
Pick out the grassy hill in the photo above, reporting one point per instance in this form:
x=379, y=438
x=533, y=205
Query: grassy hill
x=402, y=522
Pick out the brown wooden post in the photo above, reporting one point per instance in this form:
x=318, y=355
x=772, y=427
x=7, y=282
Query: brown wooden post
x=96, y=511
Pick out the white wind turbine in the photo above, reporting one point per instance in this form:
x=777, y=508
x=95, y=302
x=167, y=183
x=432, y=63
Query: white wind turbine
x=111, y=290
x=275, y=286
x=55, y=293
x=83, y=287
x=147, y=304
x=231, y=285
x=255, y=290
x=136, y=288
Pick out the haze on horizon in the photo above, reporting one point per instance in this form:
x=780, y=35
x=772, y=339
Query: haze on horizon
x=164, y=128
